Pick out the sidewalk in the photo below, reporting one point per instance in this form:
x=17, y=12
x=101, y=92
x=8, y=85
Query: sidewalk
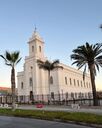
x=87, y=109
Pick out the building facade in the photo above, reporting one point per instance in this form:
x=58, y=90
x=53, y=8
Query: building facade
x=5, y=91
x=65, y=83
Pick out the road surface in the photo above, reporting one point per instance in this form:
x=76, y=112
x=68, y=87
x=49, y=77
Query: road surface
x=16, y=122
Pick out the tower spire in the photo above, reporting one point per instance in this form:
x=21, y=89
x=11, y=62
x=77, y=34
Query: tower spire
x=35, y=30
x=35, y=35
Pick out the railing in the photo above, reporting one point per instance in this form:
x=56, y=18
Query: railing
x=57, y=99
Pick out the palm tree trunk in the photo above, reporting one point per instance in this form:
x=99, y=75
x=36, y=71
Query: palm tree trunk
x=95, y=100
x=13, y=87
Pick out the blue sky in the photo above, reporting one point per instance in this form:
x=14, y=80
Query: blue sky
x=63, y=24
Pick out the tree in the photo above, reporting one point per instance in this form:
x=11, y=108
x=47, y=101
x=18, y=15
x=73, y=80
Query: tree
x=12, y=59
x=89, y=55
x=49, y=66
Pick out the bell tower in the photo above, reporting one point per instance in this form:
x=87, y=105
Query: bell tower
x=36, y=46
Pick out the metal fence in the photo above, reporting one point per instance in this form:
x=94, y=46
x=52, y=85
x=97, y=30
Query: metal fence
x=58, y=99
x=7, y=99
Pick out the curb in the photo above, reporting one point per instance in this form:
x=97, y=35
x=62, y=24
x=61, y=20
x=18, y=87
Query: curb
x=79, y=123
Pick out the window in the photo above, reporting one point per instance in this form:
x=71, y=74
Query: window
x=32, y=48
x=66, y=95
x=39, y=48
x=51, y=80
x=65, y=80
x=52, y=95
x=74, y=82
x=21, y=85
x=76, y=95
x=78, y=82
x=87, y=84
x=31, y=95
x=81, y=84
x=21, y=98
x=80, y=95
x=84, y=84
x=72, y=95
x=86, y=95
x=30, y=81
x=89, y=95
x=70, y=81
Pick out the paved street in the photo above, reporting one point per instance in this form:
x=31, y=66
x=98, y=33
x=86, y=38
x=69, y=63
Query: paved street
x=15, y=122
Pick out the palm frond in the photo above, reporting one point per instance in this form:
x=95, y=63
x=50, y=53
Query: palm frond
x=80, y=65
x=55, y=62
x=8, y=64
x=8, y=56
x=99, y=57
x=3, y=57
x=15, y=56
x=47, y=65
x=18, y=60
x=39, y=61
x=97, y=65
x=97, y=49
x=88, y=54
x=11, y=59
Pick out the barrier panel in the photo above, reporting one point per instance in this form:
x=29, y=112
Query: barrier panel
x=75, y=106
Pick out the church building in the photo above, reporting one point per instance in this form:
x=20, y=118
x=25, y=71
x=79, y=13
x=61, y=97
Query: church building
x=33, y=83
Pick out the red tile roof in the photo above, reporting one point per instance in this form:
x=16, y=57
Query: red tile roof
x=4, y=88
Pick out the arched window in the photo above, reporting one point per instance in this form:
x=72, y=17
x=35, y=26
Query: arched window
x=51, y=80
x=87, y=84
x=70, y=81
x=65, y=80
x=31, y=95
x=21, y=85
x=81, y=84
x=84, y=84
x=39, y=48
x=52, y=95
x=74, y=82
x=78, y=82
x=30, y=81
x=32, y=48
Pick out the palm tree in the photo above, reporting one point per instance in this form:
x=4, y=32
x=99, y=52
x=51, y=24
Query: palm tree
x=49, y=66
x=12, y=59
x=88, y=55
